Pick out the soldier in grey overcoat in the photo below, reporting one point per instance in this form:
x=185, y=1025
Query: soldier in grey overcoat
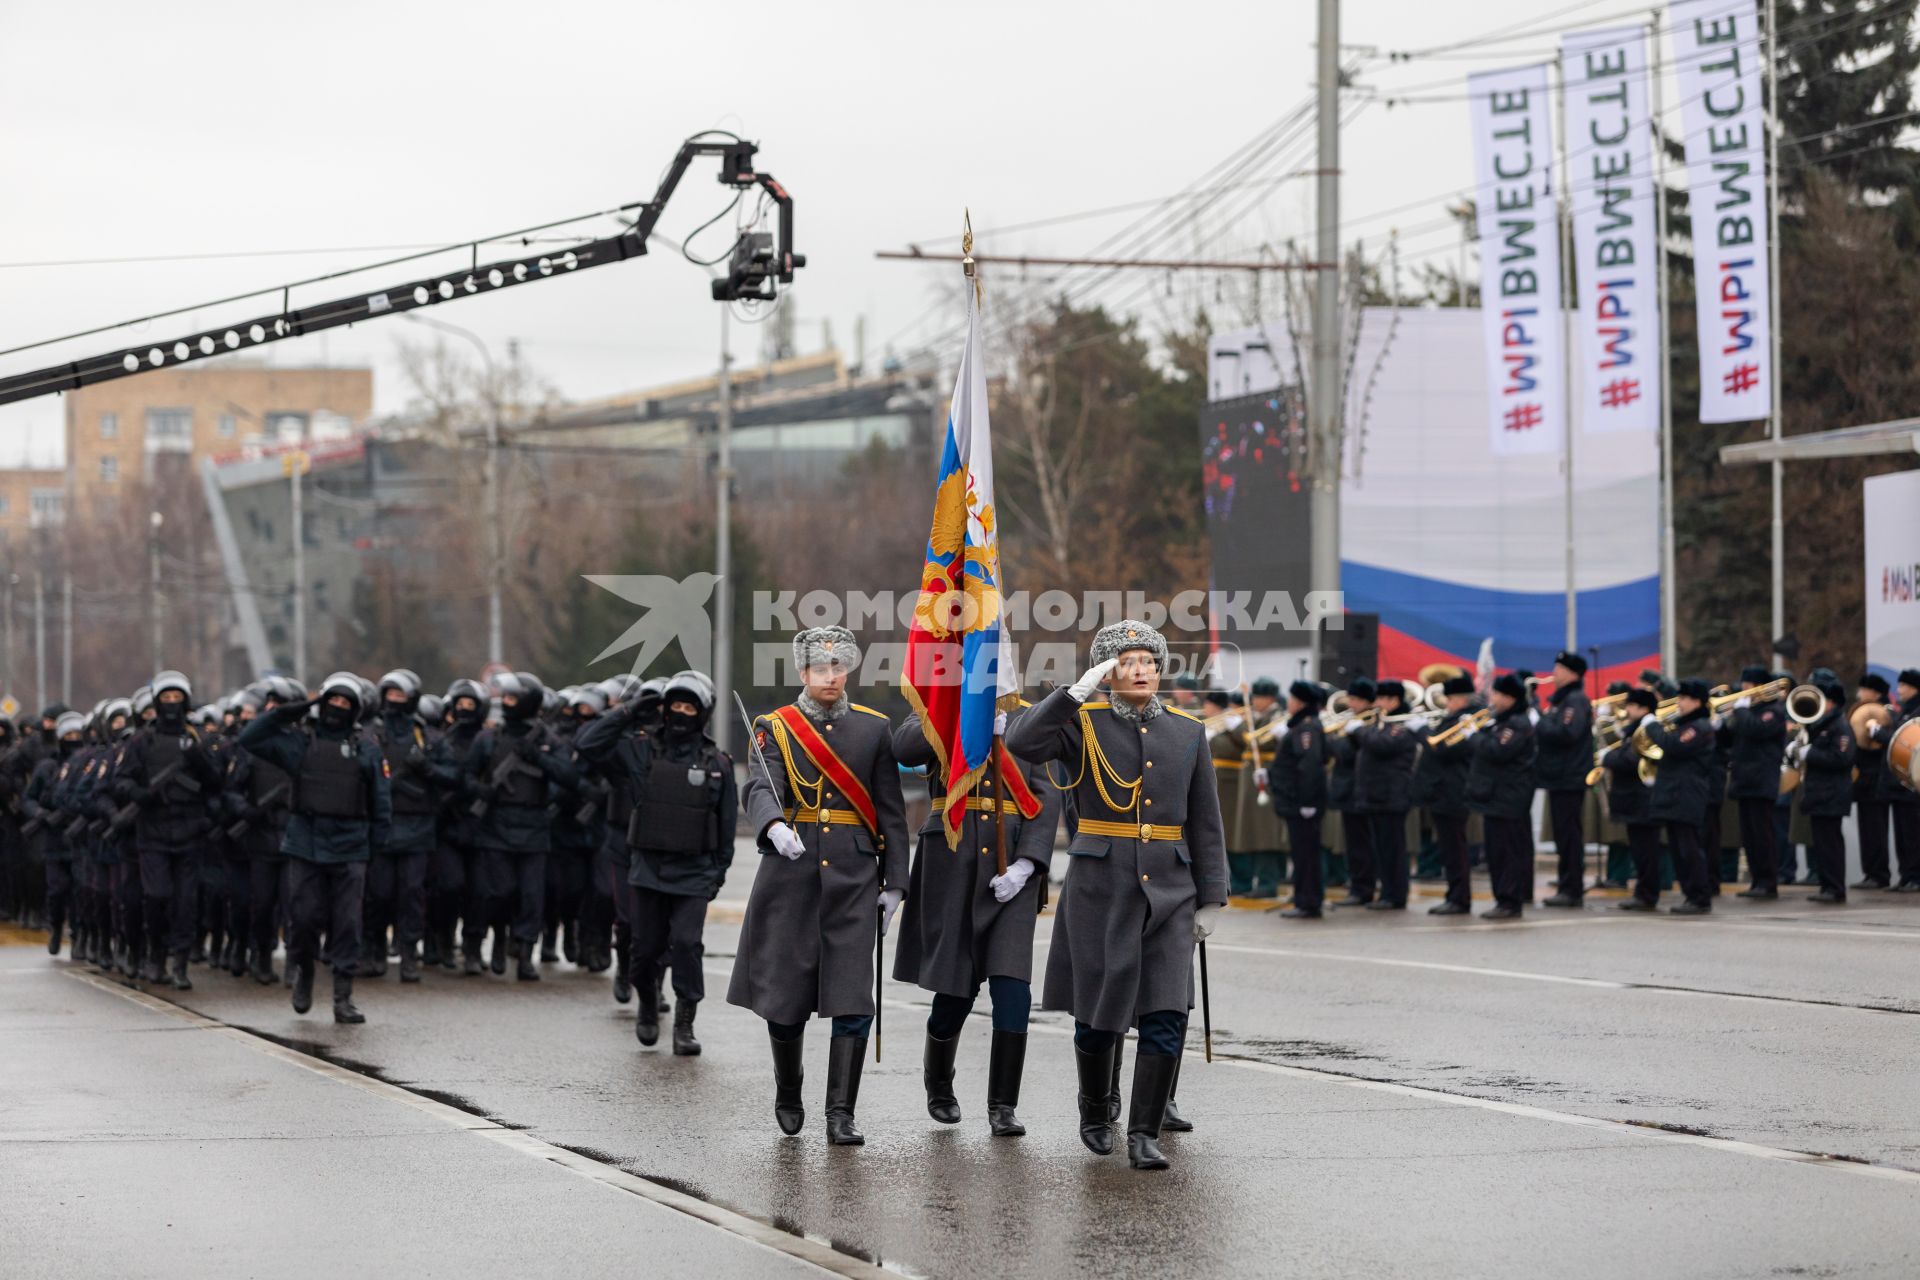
x=1146, y=879
x=964, y=924
x=831, y=830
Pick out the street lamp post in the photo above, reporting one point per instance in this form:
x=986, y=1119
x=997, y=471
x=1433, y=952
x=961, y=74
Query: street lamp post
x=723, y=544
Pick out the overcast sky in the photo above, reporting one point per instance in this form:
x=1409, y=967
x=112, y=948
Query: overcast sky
x=137, y=130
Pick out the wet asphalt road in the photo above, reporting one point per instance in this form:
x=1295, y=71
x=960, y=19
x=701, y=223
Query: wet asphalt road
x=1584, y=1094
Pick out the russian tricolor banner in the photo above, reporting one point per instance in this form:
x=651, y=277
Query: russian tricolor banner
x=960, y=666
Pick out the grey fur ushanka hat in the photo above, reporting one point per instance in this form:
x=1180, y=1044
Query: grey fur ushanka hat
x=1117, y=638
x=825, y=646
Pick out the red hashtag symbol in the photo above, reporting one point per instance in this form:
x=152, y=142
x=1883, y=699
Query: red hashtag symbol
x=1619, y=392
x=1523, y=417
x=1743, y=377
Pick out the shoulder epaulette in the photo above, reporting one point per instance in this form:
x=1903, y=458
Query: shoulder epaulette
x=1094, y=706
x=1023, y=702
x=869, y=710
x=1177, y=711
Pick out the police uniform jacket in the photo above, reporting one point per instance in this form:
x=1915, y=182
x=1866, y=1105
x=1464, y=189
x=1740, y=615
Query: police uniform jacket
x=1297, y=772
x=1565, y=741
x=806, y=945
x=1440, y=774
x=684, y=804
x=953, y=934
x=403, y=740
x=49, y=842
x=1344, y=752
x=519, y=810
x=260, y=794
x=1757, y=739
x=1383, y=768
x=447, y=760
x=342, y=805
x=1891, y=790
x=1628, y=798
x=572, y=837
x=1826, y=789
x=1142, y=860
x=173, y=817
x=1501, y=773
x=1683, y=788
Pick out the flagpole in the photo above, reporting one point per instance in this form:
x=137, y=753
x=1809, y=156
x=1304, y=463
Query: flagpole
x=1566, y=354
x=997, y=812
x=1779, y=616
x=1669, y=638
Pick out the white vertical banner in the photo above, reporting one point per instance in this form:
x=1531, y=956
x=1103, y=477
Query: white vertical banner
x=1610, y=182
x=1719, y=55
x=1519, y=260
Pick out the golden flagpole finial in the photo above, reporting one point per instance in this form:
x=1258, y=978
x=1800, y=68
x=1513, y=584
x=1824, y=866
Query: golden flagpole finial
x=966, y=254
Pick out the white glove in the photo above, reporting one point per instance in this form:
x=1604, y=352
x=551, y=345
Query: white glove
x=1308, y=812
x=1260, y=778
x=1875, y=729
x=999, y=723
x=1468, y=731
x=1743, y=704
x=1007, y=887
x=890, y=900
x=785, y=841
x=1087, y=683
x=1205, y=921
x=1716, y=721
x=1233, y=722
x=1417, y=725
x=1352, y=727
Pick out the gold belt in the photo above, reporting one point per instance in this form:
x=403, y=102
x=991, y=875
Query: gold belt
x=826, y=817
x=979, y=804
x=1130, y=830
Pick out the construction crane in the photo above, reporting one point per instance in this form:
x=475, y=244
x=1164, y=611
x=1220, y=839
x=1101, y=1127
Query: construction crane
x=756, y=268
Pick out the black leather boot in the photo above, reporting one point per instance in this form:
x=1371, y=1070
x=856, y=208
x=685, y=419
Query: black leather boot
x=53, y=936
x=937, y=1069
x=684, y=1044
x=547, y=953
x=373, y=960
x=660, y=990
x=1174, y=1122
x=237, y=959
x=409, y=962
x=569, y=943
x=1152, y=1086
x=501, y=943
x=343, y=1010
x=1113, y=1086
x=646, y=1023
x=622, y=974
x=179, y=980
x=1096, y=1077
x=845, y=1056
x=788, y=1108
x=301, y=976
x=263, y=968
x=527, y=971
x=1005, y=1062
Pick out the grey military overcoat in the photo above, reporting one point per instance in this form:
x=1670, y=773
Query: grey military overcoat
x=806, y=946
x=1123, y=934
x=953, y=935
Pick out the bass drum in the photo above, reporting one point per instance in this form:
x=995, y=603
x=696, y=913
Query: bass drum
x=1903, y=754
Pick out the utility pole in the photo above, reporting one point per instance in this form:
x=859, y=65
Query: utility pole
x=154, y=521
x=723, y=545
x=66, y=640
x=296, y=464
x=1773, y=322
x=9, y=684
x=1324, y=383
x=40, y=637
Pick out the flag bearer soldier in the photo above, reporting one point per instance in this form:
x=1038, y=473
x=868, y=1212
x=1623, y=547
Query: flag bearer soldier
x=1297, y=777
x=964, y=922
x=1147, y=878
x=823, y=799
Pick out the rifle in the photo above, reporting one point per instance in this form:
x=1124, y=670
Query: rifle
x=504, y=768
x=596, y=801
x=124, y=816
x=280, y=792
x=33, y=824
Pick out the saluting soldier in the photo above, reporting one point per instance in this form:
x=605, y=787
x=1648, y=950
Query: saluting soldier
x=1500, y=790
x=1147, y=878
x=1297, y=777
x=823, y=799
x=1826, y=792
x=965, y=923
x=1440, y=787
x=1682, y=791
x=1565, y=737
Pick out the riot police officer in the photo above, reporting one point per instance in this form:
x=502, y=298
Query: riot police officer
x=397, y=876
x=342, y=810
x=455, y=873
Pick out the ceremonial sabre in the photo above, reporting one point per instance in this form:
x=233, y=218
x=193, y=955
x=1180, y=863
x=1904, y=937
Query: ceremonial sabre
x=879, y=969
x=753, y=743
x=1206, y=1003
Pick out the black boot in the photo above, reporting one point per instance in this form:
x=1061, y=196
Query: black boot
x=150, y=970
x=263, y=968
x=646, y=1024
x=301, y=976
x=1113, y=1086
x=449, y=950
x=501, y=943
x=788, y=1108
x=547, y=953
x=374, y=963
x=431, y=943
x=622, y=975
x=1174, y=1122
x=343, y=1010
x=1096, y=1078
x=527, y=970
x=54, y=930
x=660, y=990
x=237, y=962
x=1152, y=1085
x=179, y=979
x=1004, y=1063
x=937, y=1070
x=684, y=1045
x=570, y=942
x=845, y=1056
x=409, y=962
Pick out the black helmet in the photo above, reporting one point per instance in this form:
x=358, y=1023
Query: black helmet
x=369, y=696
x=142, y=701
x=621, y=688
x=406, y=682
x=347, y=684
x=524, y=688
x=249, y=698
x=433, y=709
x=589, y=695
x=171, y=680
x=692, y=684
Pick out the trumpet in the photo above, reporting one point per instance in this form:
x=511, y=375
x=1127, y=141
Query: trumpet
x=1458, y=729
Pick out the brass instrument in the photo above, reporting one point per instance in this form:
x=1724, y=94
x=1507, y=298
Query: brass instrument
x=1458, y=729
x=1434, y=697
x=1439, y=673
x=1806, y=704
x=1337, y=703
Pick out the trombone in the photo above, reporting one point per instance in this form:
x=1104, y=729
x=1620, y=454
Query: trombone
x=1458, y=729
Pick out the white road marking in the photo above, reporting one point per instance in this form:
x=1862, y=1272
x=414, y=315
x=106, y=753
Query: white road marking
x=1433, y=965
x=803, y=1248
